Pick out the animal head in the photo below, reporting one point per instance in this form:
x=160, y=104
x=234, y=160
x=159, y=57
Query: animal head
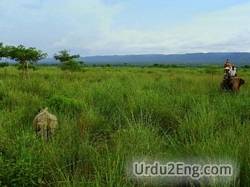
x=44, y=110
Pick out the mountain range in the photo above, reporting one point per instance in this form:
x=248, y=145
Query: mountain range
x=240, y=58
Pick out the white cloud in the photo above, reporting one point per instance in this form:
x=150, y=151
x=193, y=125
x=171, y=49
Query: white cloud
x=57, y=24
x=88, y=27
x=225, y=30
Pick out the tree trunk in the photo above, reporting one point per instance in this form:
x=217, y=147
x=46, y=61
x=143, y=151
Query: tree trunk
x=26, y=69
x=24, y=65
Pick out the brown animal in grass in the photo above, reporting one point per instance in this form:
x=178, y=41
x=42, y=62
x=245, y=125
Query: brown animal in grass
x=236, y=83
x=45, y=124
x=232, y=84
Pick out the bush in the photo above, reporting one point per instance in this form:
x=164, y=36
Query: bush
x=3, y=64
x=71, y=65
x=246, y=66
x=65, y=105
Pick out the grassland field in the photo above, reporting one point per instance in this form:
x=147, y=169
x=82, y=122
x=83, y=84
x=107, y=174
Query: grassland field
x=108, y=116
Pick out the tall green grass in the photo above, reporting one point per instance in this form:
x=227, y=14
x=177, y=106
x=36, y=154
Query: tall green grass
x=108, y=116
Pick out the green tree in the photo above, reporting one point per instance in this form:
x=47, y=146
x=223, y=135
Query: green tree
x=21, y=54
x=64, y=56
x=68, y=61
x=24, y=56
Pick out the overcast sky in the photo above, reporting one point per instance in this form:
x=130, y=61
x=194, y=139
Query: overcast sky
x=104, y=27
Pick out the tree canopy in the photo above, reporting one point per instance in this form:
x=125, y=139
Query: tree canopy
x=69, y=62
x=21, y=53
x=64, y=56
x=3, y=51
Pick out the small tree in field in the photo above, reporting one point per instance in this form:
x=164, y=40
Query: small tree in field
x=64, y=56
x=23, y=55
x=69, y=62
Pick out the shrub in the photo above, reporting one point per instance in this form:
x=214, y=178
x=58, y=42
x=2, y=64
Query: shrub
x=3, y=64
x=69, y=62
x=71, y=65
x=65, y=105
x=246, y=66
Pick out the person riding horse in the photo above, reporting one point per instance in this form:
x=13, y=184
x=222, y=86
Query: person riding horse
x=230, y=80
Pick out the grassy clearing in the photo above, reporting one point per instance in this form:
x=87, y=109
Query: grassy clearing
x=108, y=116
